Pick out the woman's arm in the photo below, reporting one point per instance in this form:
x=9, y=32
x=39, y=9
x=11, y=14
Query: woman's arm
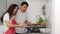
x=13, y=25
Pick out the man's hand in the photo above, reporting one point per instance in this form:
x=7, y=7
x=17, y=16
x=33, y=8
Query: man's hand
x=28, y=23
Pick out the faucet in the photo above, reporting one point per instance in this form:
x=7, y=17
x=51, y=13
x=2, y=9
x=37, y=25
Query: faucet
x=37, y=16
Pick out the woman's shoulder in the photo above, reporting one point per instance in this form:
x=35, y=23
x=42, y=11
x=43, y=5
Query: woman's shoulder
x=7, y=14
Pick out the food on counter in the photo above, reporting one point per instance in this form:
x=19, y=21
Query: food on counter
x=39, y=20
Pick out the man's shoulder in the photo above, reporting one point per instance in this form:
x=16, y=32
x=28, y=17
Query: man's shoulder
x=18, y=10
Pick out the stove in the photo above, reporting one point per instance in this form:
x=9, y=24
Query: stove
x=34, y=29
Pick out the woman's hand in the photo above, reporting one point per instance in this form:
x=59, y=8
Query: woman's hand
x=14, y=25
x=21, y=25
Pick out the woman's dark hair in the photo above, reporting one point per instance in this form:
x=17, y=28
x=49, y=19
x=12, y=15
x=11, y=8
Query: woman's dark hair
x=24, y=3
x=10, y=11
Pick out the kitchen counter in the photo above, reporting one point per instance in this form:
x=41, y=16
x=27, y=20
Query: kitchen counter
x=44, y=30
x=34, y=29
x=36, y=33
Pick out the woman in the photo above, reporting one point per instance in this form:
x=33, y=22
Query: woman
x=8, y=19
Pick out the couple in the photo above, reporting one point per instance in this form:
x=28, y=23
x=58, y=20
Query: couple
x=14, y=19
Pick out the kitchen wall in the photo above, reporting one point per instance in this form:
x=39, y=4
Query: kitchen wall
x=34, y=9
x=49, y=15
x=2, y=10
x=18, y=2
x=49, y=11
x=2, y=7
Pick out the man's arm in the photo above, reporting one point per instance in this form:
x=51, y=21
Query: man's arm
x=28, y=23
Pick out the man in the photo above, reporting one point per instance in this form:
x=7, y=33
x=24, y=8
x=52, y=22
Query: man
x=21, y=17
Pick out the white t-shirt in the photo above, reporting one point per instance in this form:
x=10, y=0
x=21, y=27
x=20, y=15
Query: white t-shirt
x=5, y=17
x=20, y=18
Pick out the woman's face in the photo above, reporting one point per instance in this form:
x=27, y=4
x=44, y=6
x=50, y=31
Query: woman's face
x=15, y=10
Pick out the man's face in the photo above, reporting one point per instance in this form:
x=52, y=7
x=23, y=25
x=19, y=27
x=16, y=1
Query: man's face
x=24, y=8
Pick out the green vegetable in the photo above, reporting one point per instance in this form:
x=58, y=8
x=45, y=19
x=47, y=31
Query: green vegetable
x=40, y=20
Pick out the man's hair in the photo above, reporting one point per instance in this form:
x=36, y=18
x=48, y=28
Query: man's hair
x=24, y=3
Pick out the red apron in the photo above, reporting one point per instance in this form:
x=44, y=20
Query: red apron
x=11, y=30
